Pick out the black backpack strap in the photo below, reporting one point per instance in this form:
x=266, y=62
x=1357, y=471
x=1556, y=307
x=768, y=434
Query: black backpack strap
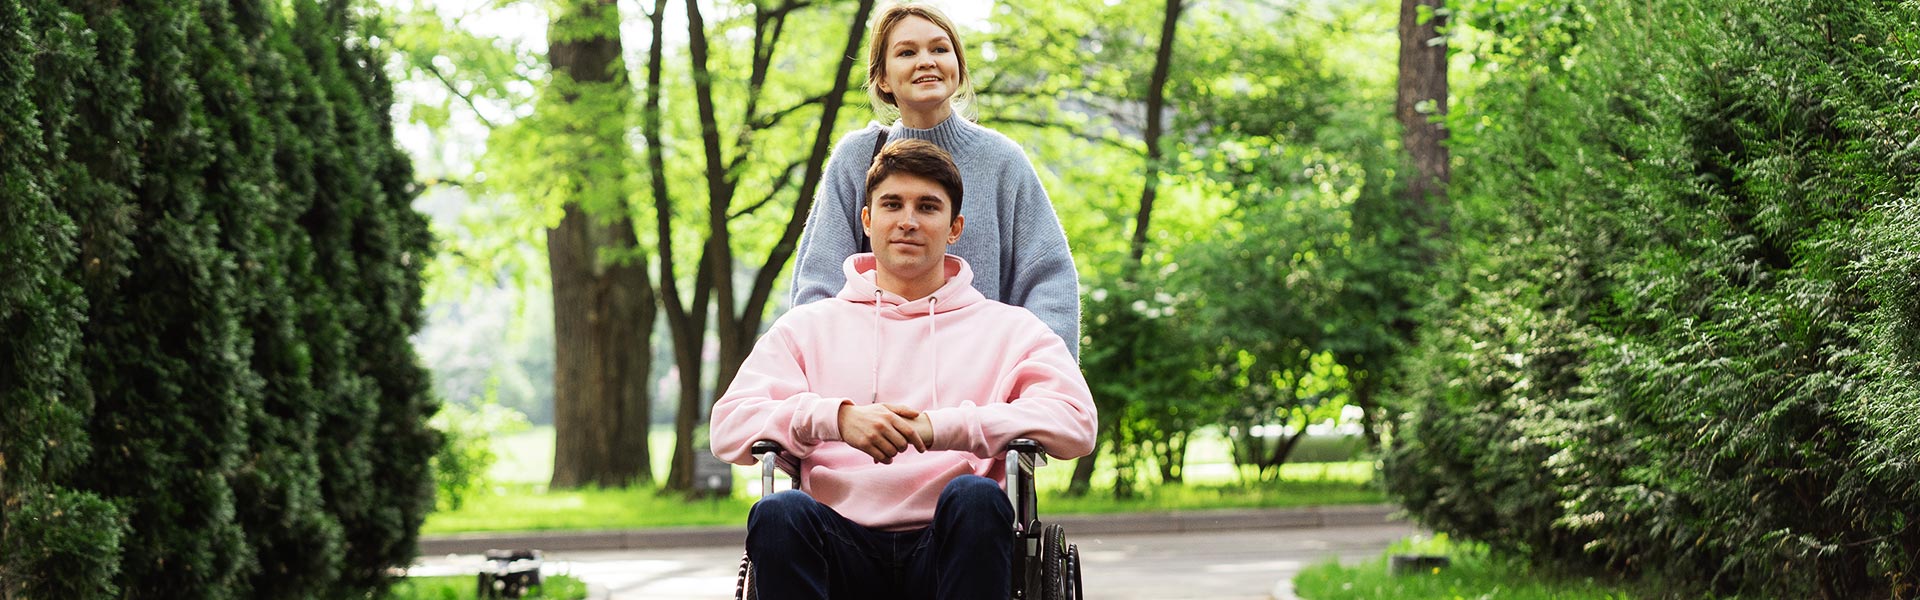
x=879, y=141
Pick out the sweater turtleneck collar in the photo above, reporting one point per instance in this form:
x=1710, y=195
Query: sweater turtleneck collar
x=952, y=134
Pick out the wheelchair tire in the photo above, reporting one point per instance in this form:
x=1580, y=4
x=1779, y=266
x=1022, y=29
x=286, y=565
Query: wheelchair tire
x=744, y=588
x=1053, y=563
x=1076, y=592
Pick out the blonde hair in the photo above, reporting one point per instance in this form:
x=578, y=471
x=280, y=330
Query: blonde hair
x=883, y=24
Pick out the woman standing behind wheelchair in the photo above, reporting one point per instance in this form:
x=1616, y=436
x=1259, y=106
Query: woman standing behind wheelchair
x=917, y=67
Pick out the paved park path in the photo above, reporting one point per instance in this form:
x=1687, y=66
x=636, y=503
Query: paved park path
x=1216, y=555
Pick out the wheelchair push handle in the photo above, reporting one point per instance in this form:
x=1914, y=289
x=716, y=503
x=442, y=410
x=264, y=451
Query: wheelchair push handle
x=765, y=446
x=1026, y=446
x=1023, y=456
x=773, y=457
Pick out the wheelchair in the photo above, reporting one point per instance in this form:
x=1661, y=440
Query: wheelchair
x=1045, y=566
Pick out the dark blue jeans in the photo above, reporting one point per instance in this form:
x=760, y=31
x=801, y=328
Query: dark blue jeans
x=803, y=549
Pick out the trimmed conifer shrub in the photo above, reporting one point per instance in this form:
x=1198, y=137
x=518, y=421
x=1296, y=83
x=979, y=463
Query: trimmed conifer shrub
x=55, y=542
x=1677, y=335
x=369, y=248
x=296, y=542
x=209, y=269
x=164, y=356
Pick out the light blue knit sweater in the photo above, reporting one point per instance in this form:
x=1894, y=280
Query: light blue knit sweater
x=1013, y=238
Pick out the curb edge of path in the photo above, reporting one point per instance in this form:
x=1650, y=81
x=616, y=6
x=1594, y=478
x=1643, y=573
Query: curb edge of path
x=1078, y=525
x=1283, y=590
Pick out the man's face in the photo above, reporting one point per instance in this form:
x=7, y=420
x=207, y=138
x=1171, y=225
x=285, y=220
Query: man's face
x=911, y=223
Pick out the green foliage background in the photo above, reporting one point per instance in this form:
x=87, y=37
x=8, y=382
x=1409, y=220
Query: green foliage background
x=1669, y=328
x=211, y=269
x=1675, y=336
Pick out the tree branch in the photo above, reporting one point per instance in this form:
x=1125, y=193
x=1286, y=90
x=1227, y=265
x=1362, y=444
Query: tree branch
x=772, y=190
x=767, y=28
x=816, y=166
x=991, y=87
x=770, y=119
x=677, y=321
x=455, y=90
x=1076, y=131
x=446, y=181
x=718, y=262
x=1156, y=100
x=745, y=143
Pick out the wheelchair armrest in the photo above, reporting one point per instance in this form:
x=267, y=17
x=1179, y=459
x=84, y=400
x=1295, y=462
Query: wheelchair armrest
x=1026, y=446
x=1027, y=455
x=773, y=457
x=1023, y=456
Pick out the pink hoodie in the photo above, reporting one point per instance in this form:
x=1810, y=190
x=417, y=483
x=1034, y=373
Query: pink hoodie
x=984, y=372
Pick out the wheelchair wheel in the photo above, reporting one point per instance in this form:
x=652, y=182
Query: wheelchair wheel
x=744, y=589
x=1053, y=563
x=1074, y=591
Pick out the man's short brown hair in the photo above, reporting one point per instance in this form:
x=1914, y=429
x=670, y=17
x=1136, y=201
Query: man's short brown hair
x=915, y=157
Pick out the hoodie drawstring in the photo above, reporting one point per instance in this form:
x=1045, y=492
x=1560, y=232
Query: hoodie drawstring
x=933, y=332
x=933, y=339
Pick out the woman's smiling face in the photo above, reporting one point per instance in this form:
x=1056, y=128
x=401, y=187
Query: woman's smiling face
x=922, y=70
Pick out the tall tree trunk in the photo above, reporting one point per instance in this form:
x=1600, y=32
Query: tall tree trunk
x=689, y=341
x=1156, y=103
x=716, y=261
x=1172, y=455
x=1365, y=383
x=737, y=335
x=1281, y=452
x=603, y=304
x=1420, y=106
x=1082, y=481
x=737, y=323
x=1150, y=189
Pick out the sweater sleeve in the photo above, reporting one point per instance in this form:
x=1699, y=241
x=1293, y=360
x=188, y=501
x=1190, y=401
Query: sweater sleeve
x=1044, y=278
x=1047, y=400
x=768, y=400
x=833, y=228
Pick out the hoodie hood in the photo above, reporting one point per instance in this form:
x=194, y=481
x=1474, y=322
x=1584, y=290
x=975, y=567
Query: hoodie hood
x=861, y=287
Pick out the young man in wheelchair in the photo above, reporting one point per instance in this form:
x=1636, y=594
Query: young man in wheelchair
x=897, y=396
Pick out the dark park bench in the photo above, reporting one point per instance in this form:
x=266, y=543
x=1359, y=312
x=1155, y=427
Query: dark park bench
x=512, y=573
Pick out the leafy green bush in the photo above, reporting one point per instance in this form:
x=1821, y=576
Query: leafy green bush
x=462, y=587
x=1889, y=404
x=464, y=460
x=1473, y=572
x=1675, y=334
x=1142, y=366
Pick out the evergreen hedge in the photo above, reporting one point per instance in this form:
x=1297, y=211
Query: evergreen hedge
x=1677, y=336
x=55, y=541
x=209, y=268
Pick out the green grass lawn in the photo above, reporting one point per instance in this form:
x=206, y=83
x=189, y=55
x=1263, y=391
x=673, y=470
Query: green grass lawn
x=522, y=507
x=463, y=587
x=520, y=501
x=1474, y=573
